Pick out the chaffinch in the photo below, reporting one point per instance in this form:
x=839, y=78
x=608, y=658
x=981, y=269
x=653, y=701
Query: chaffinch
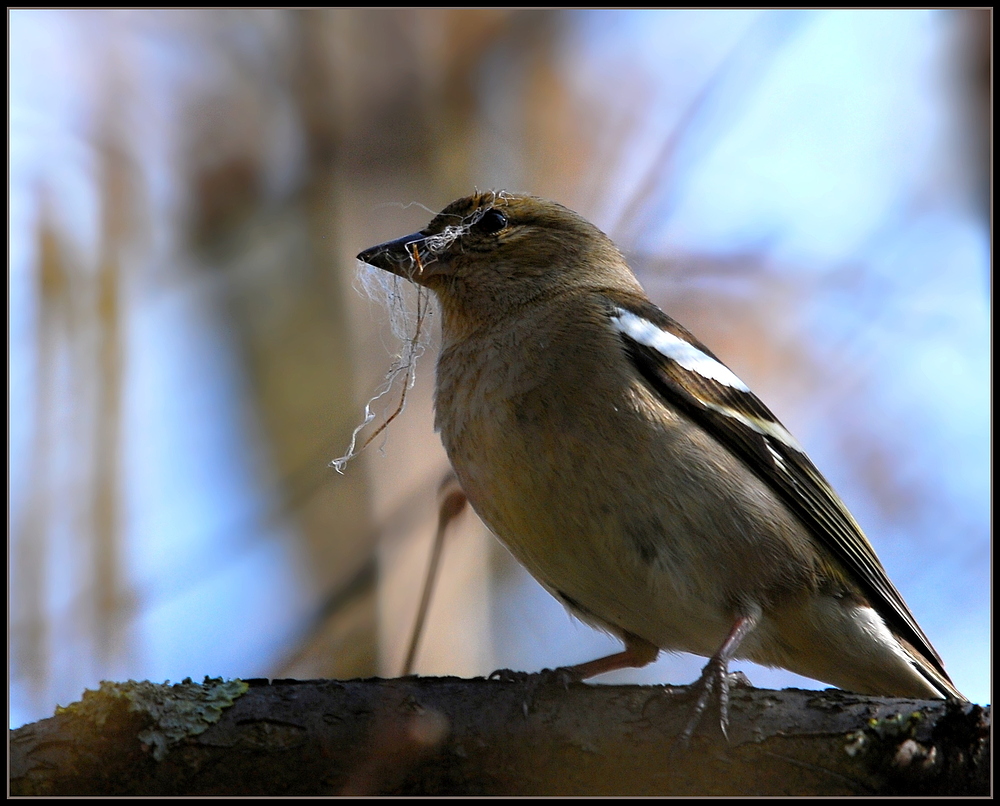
x=632, y=473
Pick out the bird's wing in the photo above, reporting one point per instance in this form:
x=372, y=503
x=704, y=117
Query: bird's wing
x=687, y=376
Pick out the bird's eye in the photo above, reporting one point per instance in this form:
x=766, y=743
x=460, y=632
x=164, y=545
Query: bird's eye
x=491, y=221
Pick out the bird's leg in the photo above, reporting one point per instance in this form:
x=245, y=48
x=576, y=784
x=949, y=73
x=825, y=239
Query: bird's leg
x=715, y=676
x=638, y=652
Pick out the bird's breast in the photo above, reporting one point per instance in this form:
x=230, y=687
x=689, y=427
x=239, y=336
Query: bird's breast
x=552, y=462
x=608, y=495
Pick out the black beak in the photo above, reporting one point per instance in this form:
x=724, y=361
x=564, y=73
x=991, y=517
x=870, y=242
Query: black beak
x=398, y=256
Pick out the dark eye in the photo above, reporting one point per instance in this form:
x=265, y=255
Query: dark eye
x=491, y=221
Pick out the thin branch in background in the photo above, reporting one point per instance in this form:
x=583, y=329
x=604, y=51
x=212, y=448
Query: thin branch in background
x=30, y=624
x=706, y=118
x=108, y=580
x=453, y=502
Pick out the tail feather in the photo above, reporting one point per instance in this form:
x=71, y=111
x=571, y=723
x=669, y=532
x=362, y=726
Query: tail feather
x=937, y=678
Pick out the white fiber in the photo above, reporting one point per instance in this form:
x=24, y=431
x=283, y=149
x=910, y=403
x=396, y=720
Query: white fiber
x=413, y=333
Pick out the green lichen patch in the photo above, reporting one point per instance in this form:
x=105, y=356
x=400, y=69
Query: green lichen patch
x=892, y=729
x=174, y=712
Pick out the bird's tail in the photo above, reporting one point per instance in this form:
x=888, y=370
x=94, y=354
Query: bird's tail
x=937, y=677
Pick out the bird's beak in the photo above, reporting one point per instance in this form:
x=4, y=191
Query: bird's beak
x=401, y=256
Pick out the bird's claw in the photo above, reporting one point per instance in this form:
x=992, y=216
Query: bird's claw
x=564, y=675
x=508, y=676
x=714, y=678
x=739, y=680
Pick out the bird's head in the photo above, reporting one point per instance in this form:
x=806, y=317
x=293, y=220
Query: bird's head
x=491, y=253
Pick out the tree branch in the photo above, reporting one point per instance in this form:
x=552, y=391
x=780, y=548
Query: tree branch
x=437, y=736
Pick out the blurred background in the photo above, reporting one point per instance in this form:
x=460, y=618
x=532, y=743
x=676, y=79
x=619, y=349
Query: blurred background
x=808, y=192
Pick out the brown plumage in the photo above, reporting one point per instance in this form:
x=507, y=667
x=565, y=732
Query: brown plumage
x=632, y=473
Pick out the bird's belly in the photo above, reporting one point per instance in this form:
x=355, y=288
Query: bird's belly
x=591, y=536
x=633, y=513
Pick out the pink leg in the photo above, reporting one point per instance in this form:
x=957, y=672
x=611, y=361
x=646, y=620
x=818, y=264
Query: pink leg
x=638, y=652
x=715, y=675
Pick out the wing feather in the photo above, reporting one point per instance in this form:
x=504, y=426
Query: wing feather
x=698, y=384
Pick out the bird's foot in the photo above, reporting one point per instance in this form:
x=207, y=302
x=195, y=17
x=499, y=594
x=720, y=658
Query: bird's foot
x=533, y=681
x=715, y=679
x=564, y=675
x=507, y=676
x=739, y=680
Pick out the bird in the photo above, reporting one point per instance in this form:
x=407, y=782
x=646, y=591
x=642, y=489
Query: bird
x=633, y=474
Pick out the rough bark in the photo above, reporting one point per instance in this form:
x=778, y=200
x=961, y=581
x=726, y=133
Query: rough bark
x=438, y=736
